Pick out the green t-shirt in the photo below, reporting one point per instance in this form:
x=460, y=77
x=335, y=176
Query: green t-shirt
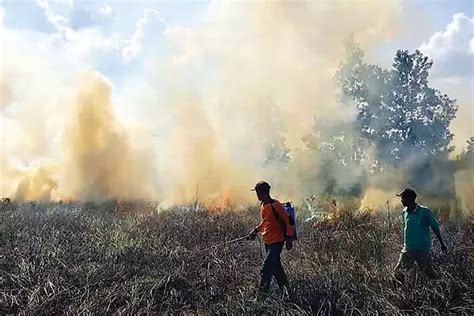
x=417, y=228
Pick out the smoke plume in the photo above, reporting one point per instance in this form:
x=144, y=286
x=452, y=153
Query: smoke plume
x=255, y=74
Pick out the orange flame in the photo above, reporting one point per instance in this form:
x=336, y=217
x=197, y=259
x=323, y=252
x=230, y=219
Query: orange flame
x=221, y=203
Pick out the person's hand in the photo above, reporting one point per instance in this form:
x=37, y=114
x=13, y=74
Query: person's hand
x=289, y=244
x=252, y=234
x=444, y=249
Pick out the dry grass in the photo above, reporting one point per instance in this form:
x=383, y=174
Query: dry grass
x=68, y=259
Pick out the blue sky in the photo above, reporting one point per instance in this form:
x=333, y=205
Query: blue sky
x=419, y=21
x=121, y=17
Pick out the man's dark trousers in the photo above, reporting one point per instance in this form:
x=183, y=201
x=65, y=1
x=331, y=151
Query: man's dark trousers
x=272, y=267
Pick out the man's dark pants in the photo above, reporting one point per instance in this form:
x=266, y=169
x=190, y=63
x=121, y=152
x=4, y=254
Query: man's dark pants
x=272, y=267
x=408, y=258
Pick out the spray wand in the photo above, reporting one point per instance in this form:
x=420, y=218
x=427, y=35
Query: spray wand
x=228, y=242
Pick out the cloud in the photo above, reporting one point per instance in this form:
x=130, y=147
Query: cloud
x=94, y=15
x=86, y=42
x=452, y=49
x=106, y=10
x=90, y=34
x=60, y=22
x=134, y=46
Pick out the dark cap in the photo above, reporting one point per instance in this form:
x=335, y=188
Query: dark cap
x=409, y=193
x=261, y=186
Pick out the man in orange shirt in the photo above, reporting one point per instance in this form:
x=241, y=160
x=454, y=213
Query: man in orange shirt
x=275, y=228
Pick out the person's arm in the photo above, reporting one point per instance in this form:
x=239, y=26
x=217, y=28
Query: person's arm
x=256, y=230
x=436, y=230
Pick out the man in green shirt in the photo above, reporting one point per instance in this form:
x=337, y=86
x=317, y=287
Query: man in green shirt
x=418, y=220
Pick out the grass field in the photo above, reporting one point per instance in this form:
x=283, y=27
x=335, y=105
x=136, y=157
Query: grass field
x=57, y=258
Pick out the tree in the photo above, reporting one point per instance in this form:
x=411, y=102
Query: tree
x=276, y=151
x=339, y=156
x=363, y=85
x=398, y=112
x=417, y=117
x=468, y=153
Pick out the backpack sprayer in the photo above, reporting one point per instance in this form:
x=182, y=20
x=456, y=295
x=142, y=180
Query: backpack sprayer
x=291, y=214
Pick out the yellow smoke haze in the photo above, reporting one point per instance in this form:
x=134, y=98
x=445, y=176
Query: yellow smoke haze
x=377, y=199
x=224, y=90
x=465, y=189
x=275, y=70
x=5, y=94
x=98, y=158
x=36, y=186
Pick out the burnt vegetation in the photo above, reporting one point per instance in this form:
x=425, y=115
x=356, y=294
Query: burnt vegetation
x=67, y=258
x=82, y=258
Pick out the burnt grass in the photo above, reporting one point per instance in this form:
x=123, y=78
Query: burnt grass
x=58, y=259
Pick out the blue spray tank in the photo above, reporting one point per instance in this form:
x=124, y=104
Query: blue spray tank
x=291, y=214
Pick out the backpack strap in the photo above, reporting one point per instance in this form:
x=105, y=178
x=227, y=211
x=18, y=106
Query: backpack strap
x=274, y=211
x=278, y=217
x=280, y=220
x=273, y=208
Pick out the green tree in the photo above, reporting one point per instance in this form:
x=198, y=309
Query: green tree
x=468, y=152
x=339, y=155
x=398, y=112
x=276, y=151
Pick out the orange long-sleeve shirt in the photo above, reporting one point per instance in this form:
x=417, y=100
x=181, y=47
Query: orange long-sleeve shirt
x=269, y=226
